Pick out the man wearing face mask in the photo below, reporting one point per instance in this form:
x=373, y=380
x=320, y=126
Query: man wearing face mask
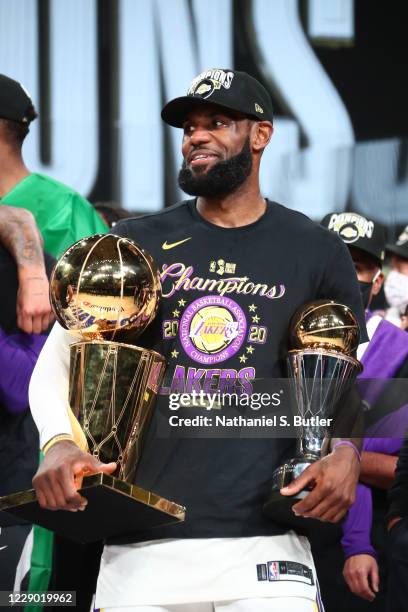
x=396, y=284
x=363, y=537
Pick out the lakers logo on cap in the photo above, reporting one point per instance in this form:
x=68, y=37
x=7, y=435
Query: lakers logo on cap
x=207, y=82
x=351, y=226
x=349, y=233
x=204, y=89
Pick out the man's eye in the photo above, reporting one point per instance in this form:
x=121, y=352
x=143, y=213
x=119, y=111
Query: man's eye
x=219, y=122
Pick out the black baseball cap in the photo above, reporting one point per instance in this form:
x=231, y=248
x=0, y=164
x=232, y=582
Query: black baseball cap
x=358, y=232
x=231, y=89
x=15, y=103
x=401, y=246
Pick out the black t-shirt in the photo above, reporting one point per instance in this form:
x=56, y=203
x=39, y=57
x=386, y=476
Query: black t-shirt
x=252, y=279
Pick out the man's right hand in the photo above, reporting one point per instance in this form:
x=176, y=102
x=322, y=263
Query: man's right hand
x=55, y=482
x=362, y=577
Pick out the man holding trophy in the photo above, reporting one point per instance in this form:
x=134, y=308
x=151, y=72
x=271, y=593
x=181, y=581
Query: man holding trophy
x=234, y=268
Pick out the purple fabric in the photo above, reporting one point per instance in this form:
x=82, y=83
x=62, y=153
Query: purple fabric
x=386, y=351
x=357, y=525
x=384, y=355
x=18, y=355
x=391, y=428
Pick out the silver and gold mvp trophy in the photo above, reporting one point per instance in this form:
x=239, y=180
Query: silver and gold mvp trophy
x=106, y=290
x=324, y=337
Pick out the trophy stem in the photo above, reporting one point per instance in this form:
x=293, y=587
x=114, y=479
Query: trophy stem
x=309, y=448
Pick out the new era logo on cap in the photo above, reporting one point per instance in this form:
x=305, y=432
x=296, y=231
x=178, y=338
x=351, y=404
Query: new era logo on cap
x=357, y=231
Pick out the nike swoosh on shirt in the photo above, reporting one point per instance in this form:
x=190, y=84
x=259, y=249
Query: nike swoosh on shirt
x=2, y=547
x=166, y=246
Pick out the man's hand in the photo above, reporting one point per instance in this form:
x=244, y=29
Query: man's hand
x=34, y=313
x=361, y=574
x=56, y=481
x=20, y=235
x=334, y=479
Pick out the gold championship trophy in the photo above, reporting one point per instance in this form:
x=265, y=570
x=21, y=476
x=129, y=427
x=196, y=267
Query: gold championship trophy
x=106, y=290
x=324, y=337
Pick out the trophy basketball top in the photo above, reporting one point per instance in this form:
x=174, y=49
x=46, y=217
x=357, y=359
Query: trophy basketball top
x=325, y=325
x=105, y=287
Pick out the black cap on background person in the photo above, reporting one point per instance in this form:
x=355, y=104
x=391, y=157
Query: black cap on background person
x=358, y=232
x=366, y=241
x=15, y=103
x=396, y=285
x=400, y=247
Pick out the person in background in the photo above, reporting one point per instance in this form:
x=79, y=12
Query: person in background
x=111, y=213
x=363, y=536
x=25, y=314
x=62, y=215
x=396, y=283
x=397, y=518
x=404, y=320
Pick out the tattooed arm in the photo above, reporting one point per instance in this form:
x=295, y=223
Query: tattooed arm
x=20, y=236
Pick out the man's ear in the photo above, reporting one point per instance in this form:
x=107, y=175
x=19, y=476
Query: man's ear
x=261, y=134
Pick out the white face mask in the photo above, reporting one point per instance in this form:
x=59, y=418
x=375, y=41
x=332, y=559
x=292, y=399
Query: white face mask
x=396, y=290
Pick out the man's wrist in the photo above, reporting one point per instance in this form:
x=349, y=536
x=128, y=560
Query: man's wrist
x=55, y=440
x=31, y=271
x=343, y=444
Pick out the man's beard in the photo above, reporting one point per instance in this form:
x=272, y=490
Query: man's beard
x=222, y=179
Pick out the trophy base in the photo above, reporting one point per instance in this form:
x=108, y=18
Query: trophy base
x=279, y=508
x=115, y=508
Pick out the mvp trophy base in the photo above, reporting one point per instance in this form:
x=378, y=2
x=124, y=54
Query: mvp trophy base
x=278, y=507
x=115, y=508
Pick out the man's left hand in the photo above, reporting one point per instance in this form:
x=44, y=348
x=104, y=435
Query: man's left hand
x=334, y=479
x=34, y=313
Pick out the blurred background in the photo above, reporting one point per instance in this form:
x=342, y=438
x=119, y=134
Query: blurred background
x=99, y=72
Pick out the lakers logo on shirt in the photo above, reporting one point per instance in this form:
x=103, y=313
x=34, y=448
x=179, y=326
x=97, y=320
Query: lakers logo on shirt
x=212, y=329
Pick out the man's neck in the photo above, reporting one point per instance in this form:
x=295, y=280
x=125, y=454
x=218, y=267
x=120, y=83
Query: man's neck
x=243, y=207
x=12, y=171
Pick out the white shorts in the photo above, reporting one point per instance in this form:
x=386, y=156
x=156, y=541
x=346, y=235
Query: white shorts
x=277, y=604
x=192, y=571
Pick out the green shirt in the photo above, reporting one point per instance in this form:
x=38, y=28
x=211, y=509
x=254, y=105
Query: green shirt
x=62, y=215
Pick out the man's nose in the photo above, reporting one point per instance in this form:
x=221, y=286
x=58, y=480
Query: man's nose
x=199, y=135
